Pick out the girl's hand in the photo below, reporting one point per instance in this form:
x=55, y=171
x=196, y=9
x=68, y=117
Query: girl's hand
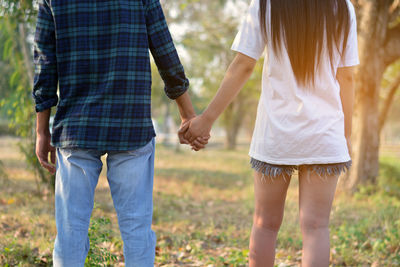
x=198, y=132
x=199, y=143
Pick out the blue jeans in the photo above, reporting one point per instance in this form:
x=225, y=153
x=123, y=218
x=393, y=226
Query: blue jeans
x=130, y=176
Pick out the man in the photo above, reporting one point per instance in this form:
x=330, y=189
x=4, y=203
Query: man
x=97, y=54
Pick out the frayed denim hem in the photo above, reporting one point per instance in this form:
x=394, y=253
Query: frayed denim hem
x=323, y=170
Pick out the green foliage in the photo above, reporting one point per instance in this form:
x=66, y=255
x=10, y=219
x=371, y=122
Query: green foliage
x=21, y=10
x=18, y=253
x=100, y=233
x=15, y=254
x=388, y=182
x=367, y=236
x=234, y=258
x=19, y=104
x=389, y=179
x=16, y=23
x=391, y=73
x=372, y=236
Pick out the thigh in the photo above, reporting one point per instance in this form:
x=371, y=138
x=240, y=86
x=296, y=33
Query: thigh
x=77, y=176
x=270, y=195
x=315, y=196
x=130, y=176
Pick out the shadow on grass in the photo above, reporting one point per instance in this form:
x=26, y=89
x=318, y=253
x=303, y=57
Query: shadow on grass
x=212, y=179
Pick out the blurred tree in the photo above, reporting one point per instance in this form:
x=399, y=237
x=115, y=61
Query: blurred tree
x=390, y=109
x=17, y=20
x=5, y=71
x=379, y=47
x=391, y=84
x=208, y=30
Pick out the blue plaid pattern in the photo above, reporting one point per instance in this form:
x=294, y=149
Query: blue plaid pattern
x=97, y=53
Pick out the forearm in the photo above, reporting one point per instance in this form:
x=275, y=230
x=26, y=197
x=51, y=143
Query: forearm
x=236, y=76
x=42, y=122
x=45, y=60
x=185, y=106
x=347, y=97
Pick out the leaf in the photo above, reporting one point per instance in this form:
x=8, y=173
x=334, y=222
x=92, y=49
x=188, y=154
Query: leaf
x=182, y=6
x=15, y=78
x=7, y=51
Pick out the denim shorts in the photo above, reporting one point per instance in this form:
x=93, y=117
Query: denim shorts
x=323, y=170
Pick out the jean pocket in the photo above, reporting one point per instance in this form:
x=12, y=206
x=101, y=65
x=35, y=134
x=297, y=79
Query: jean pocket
x=146, y=149
x=67, y=152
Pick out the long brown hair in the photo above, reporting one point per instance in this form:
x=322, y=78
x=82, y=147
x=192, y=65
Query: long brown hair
x=302, y=25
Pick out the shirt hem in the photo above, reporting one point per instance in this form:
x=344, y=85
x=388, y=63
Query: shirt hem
x=105, y=147
x=245, y=52
x=350, y=63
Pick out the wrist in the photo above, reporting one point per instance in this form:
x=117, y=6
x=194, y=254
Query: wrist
x=42, y=123
x=207, y=120
x=43, y=133
x=188, y=117
x=209, y=117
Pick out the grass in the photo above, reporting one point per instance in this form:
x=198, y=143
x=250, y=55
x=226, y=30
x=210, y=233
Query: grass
x=202, y=215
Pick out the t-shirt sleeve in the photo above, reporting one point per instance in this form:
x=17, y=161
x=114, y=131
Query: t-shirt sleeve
x=350, y=57
x=249, y=40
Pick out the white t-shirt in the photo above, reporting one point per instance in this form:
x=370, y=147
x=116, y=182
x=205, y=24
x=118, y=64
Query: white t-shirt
x=296, y=125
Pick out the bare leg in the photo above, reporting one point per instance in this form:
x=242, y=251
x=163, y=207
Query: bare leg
x=269, y=206
x=316, y=197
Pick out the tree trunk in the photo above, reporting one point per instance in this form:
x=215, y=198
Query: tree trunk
x=372, y=34
x=366, y=134
x=388, y=102
x=232, y=134
x=233, y=117
x=25, y=52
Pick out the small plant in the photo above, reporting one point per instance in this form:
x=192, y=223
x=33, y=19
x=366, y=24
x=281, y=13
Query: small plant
x=99, y=233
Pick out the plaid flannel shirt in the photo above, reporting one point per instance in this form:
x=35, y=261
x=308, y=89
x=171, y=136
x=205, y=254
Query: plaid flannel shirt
x=97, y=52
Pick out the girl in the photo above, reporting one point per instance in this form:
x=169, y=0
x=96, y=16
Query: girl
x=304, y=114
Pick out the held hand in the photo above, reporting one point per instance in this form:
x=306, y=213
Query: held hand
x=182, y=130
x=199, y=143
x=43, y=148
x=198, y=132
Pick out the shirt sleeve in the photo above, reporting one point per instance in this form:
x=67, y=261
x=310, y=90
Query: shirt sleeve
x=350, y=57
x=249, y=40
x=164, y=53
x=45, y=60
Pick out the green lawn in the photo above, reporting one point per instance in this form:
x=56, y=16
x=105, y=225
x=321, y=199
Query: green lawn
x=202, y=215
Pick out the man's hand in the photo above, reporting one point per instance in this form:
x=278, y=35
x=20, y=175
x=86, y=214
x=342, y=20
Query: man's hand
x=182, y=130
x=199, y=143
x=43, y=148
x=188, y=115
x=197, y=132
x=196, y=144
